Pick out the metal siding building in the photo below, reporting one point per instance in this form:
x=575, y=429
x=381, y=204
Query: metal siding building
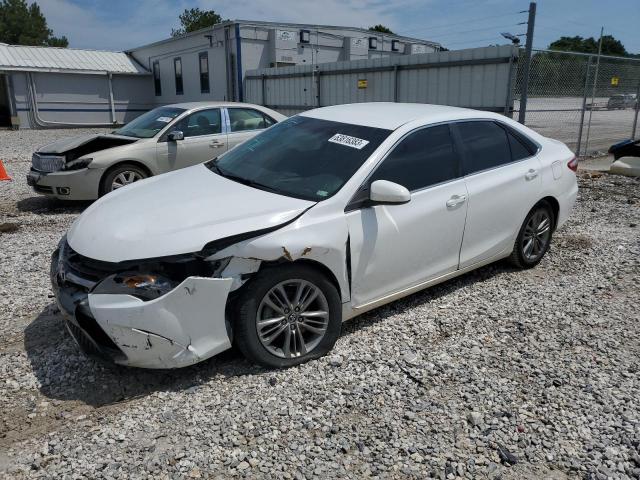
x=234, y=47
x=56, y=87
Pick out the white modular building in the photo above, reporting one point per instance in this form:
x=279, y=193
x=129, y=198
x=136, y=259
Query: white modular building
x=211, y=64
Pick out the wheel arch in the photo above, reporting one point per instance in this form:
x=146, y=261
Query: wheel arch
x=555, y=207
x=318, y=266
x=119, y=163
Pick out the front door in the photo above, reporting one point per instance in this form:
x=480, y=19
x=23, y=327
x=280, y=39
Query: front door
x=394, y=247
x=204, y=139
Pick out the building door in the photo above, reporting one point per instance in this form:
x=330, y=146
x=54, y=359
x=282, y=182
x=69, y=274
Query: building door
x=5, y=111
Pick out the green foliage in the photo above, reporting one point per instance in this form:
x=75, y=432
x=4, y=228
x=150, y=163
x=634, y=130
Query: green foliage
x=610, y=45
x=194, y=19
x=24, y=24
x=380, y=28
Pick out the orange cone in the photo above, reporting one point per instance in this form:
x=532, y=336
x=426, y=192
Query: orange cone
x=3, y=173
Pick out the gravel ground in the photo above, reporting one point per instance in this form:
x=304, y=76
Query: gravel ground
x=498, y=374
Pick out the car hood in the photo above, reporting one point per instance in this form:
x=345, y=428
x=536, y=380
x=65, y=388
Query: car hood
x=175, y=213
x=65, y=145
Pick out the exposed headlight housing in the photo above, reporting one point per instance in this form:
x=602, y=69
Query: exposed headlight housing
x=145, y=286
x=77, y=164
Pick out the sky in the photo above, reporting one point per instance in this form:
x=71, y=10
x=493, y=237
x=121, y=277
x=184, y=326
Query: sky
x=457, y=24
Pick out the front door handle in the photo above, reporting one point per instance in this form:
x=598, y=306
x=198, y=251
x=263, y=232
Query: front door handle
x=216, y=144
x=456, y=200
x=531, y=174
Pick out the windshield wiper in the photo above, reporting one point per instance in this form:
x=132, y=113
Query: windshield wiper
x=212, y=165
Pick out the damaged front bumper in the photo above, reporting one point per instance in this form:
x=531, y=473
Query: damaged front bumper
x=80, y=184
x=182, y=327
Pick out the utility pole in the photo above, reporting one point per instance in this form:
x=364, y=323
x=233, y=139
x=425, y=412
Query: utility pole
x=527, y=62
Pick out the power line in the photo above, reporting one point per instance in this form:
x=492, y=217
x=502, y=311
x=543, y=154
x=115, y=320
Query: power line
x=473, y=41
x=475, y=30
x=423, y=29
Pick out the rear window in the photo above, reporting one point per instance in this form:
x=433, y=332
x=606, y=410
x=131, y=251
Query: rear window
x=521, y=147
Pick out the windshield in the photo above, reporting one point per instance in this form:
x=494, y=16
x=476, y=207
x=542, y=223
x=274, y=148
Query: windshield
x=149, y=124
x=301, y=157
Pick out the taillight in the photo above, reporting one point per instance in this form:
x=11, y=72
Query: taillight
x=573, y=164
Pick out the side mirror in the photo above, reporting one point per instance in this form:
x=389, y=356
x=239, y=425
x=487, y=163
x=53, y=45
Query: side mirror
x=383, y=191
x=175, y=136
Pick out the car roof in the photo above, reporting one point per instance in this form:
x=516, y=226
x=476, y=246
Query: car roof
x=391, y=116
x=193, y=105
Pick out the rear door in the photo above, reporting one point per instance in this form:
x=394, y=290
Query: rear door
x=502, y=174
x=394, y=247
x=245, y=123
x=204, y=139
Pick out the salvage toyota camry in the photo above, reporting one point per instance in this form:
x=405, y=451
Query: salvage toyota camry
x=324, y=216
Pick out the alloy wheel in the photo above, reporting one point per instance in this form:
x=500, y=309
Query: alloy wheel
x=537, y=234
x=125, y=178
x=292, y=318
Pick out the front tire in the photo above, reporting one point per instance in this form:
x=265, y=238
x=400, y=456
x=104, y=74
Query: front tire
x=287, y=315
x=120, y=176
x=534, y=237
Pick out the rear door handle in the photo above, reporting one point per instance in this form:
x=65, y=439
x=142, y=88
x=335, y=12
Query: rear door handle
x=216, y=144
x=456, y=200
x=531, y=174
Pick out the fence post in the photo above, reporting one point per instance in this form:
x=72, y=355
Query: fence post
x=507, y=101
x=527, y=62
x=584, y=105
x=264, y=103
x=635, y=118
x=593, y=93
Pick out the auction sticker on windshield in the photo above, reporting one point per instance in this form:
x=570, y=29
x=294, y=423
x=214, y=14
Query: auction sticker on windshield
x=348, y=141
x=164, y=119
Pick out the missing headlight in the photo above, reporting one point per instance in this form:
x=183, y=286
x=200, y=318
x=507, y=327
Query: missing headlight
x=145, y=286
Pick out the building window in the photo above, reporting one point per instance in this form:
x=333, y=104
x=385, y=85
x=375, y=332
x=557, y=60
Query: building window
x=395, y=45
x=156, y=78
x=305, y=36
x=373, y=43
x=204, y=72
x=177, y=67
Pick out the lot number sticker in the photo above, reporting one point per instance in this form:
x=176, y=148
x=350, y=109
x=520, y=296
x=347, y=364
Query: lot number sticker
x=348, y=141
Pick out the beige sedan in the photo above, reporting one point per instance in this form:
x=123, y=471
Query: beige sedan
x=163, y=139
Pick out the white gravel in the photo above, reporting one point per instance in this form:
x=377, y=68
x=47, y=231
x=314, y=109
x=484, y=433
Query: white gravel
x=500, y=373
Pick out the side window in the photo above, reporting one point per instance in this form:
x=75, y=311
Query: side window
x=486, y=145
x=157, y=85
x=204, y=122
x=520, y=147
x=204, y=72
x=177, y=68
x=242, y=119
x=424, y=158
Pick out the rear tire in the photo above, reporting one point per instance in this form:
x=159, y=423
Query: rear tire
x=534, y=237
x=121, y=175
x=286, y=316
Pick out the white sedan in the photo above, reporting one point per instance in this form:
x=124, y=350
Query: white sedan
x=318, y=219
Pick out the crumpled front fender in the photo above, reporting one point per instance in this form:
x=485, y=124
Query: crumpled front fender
x=183, y=327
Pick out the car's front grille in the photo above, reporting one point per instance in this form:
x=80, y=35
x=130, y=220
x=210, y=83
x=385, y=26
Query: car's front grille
x=81, y=270
x=47, y=163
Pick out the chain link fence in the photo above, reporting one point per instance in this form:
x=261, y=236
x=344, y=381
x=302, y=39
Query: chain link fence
x=587, y=102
